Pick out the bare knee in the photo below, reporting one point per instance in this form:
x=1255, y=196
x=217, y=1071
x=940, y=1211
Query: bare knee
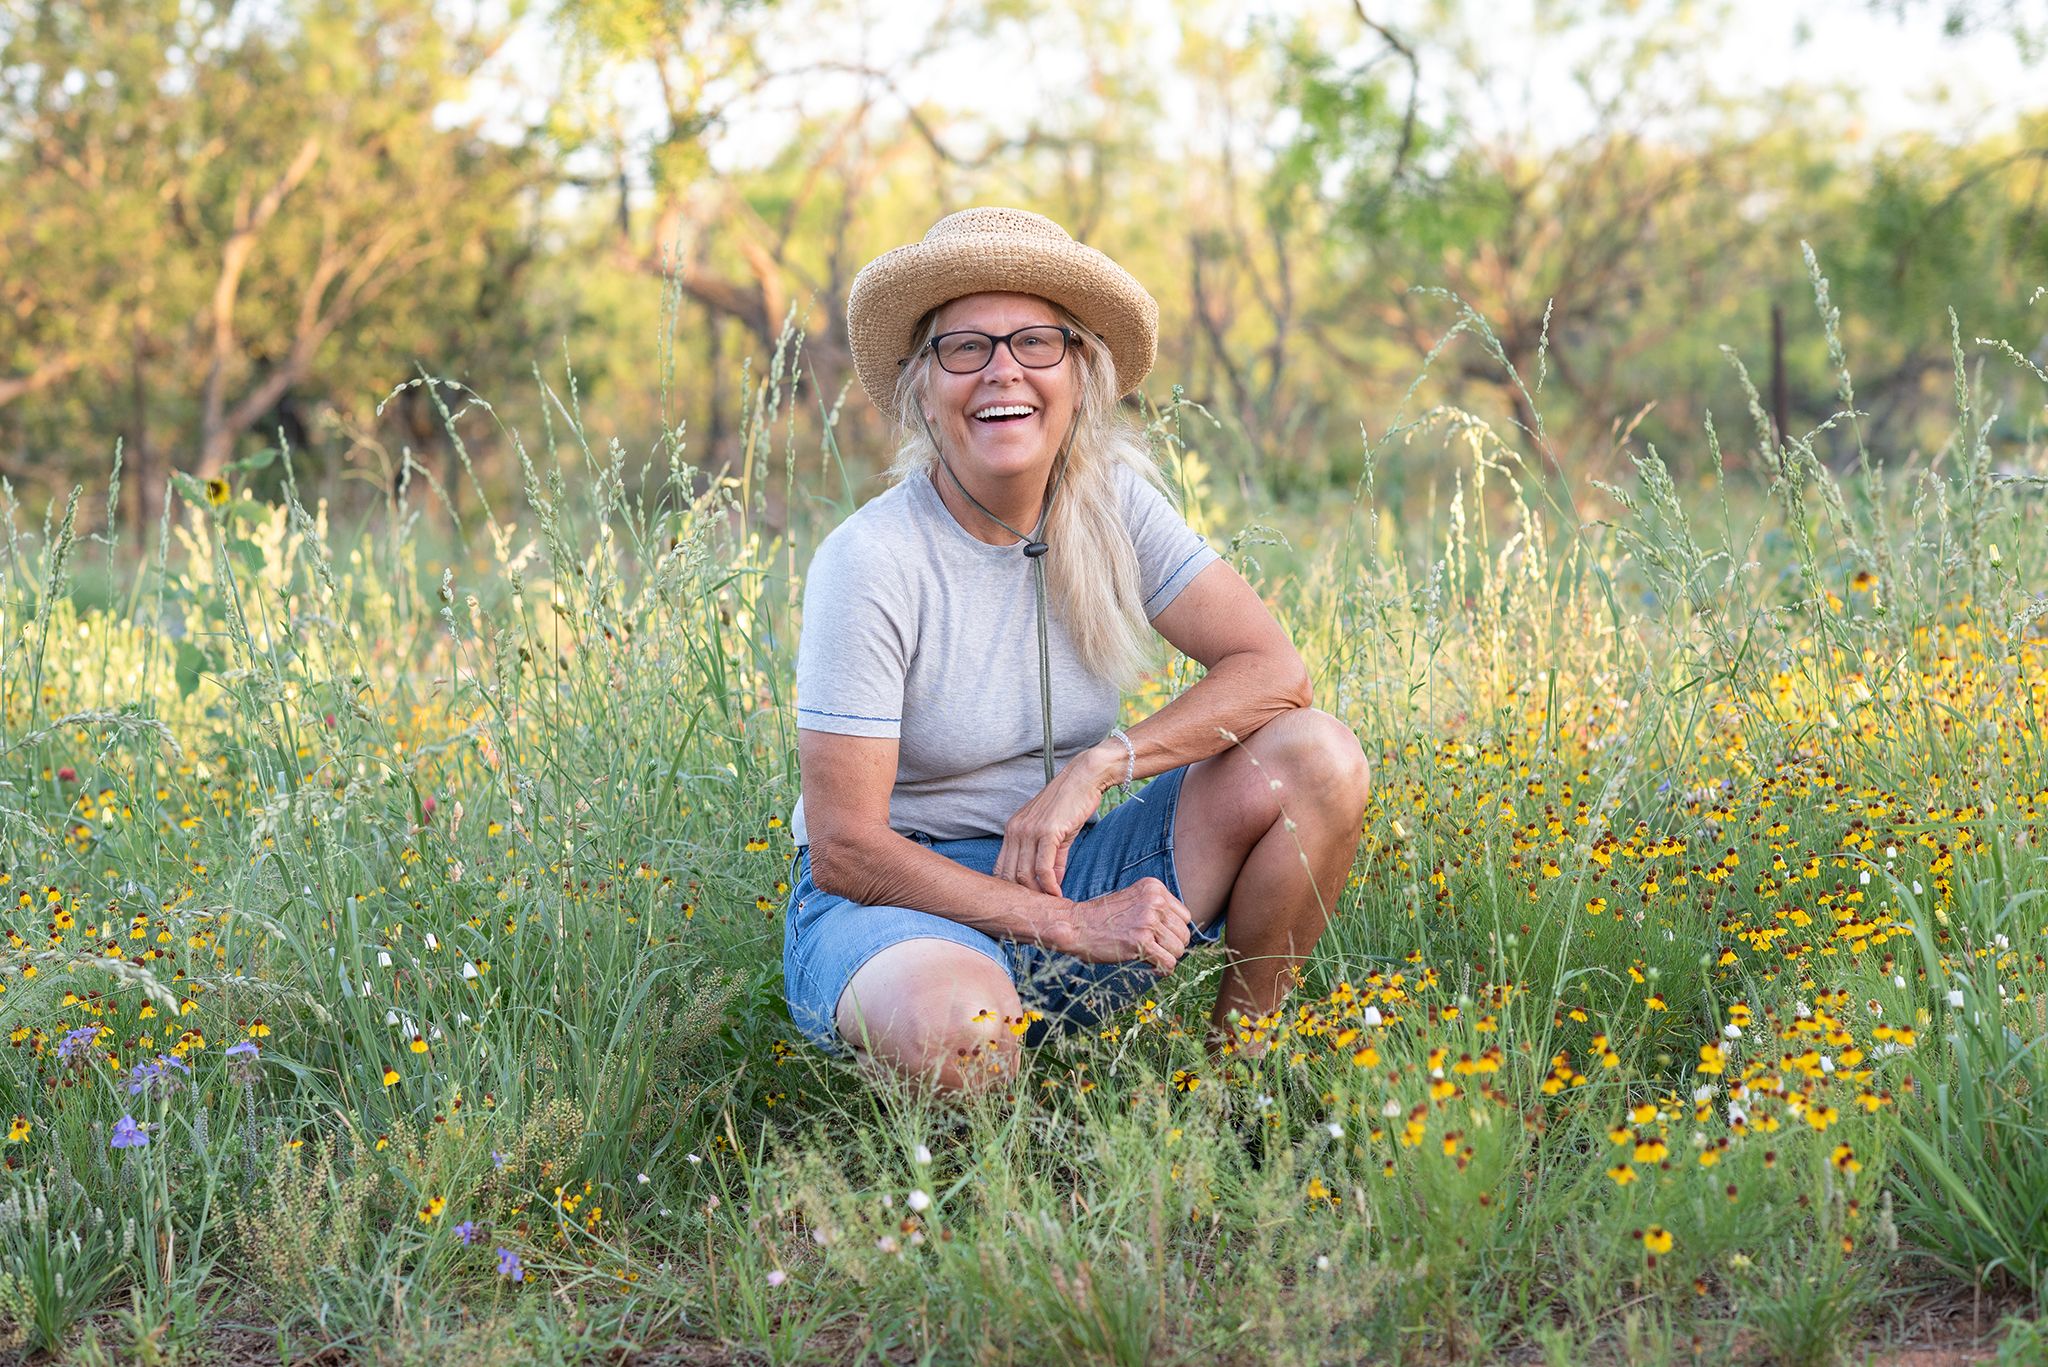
x=1309, y=750
x=935, y=1011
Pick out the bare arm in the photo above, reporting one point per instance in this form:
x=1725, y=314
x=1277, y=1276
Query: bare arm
x=855, y=854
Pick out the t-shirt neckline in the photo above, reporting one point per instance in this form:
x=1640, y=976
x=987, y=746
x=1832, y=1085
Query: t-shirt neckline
x=927, y=488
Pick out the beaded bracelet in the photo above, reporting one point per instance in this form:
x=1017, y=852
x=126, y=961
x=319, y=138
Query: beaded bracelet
x=1130, y=764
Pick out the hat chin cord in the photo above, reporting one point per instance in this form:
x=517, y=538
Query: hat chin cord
x=1034, y=551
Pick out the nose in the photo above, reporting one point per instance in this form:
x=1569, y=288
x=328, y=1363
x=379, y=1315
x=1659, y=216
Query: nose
x=1002, y=366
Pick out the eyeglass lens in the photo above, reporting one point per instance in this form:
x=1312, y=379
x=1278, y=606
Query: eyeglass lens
x=1035, y=348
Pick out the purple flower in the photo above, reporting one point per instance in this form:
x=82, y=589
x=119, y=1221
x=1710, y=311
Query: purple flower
x=466, y=1231
x=75, y=1041
x=242, y=1049
x=497, y=1159
x=129, y=1135
x=508, y=1265
x=156, y=1076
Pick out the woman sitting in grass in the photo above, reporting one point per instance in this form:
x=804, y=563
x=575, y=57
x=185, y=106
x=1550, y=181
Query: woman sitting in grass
x=965, y=639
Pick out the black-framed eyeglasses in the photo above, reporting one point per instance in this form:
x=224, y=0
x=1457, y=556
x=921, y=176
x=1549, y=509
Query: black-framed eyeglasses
x=1039, y=347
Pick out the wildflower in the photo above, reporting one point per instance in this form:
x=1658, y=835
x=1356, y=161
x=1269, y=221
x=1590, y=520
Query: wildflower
x=1844, y=1158
x=217, y=492
x=498, y=1159
x=1622, y=1174
x=390, y=1076
x=1644, y=1113
x=918, y=1200
x=508, y=1265
x=466, y=1231
x=778, y=1276
x=431, y=1211
x=75, y=1042
x=18, y=1130
x=129, y=1135
x=243, y=1048
x=1185, y=1081
x=1657, y=1239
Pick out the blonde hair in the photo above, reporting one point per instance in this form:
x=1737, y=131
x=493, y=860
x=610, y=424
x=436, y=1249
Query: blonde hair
x=1091, y=568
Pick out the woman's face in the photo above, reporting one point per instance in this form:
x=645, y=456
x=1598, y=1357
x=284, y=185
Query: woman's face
x=1005, y=420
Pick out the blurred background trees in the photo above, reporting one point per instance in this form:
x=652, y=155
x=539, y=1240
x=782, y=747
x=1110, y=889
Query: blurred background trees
x=226, y=224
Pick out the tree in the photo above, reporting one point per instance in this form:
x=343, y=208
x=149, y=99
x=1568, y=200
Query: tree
x=220, y=218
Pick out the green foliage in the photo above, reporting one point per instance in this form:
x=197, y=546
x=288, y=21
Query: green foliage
x=1633, y=1029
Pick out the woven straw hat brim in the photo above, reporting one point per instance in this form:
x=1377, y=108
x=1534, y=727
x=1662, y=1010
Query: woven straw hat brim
x=983, y=250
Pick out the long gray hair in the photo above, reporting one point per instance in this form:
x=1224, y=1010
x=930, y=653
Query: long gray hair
x=1091, y=570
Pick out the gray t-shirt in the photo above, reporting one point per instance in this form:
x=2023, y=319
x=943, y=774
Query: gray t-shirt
x=912, y=628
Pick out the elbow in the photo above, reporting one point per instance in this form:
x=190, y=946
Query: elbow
x=840, y=864
x=832, y=863
x=1293, y=686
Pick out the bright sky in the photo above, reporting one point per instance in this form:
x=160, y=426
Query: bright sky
x=1894, y=74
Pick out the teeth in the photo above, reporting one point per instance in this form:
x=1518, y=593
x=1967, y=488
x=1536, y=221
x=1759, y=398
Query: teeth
x=1010, y=411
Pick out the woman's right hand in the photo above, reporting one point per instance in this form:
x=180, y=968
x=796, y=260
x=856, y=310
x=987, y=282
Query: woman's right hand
x=1142, y=921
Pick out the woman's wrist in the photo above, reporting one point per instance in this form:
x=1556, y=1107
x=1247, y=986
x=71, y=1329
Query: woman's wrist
x=1110, y=763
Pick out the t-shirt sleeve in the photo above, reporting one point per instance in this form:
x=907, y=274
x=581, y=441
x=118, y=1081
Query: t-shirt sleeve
x=853, y=652
x=1170, y=553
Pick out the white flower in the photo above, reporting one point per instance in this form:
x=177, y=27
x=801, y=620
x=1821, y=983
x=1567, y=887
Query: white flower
x=1916, y=887
x=1372, y=1015
x=1863, y=877
x=391, y=1018
x=2001, y=941
x=468, y=969
x=922, y=1155
x=383, y=958
x=1827, y=1063
x=1392, y=1109
x=643, y=1179
x=1732, y=1030
x=693, y=1158
x=918, y=1200
x=777, y=1277
x=1704, y=1093
x=1955, y=996
x=432, y=943
x=1323, y=1262
x=1898, y=980
x=1336, y=1130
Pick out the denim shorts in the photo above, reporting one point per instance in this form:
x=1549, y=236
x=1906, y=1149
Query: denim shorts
x=826, y=938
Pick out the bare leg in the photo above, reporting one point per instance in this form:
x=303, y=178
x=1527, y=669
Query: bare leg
x=1267, y=830
x=935, y=1011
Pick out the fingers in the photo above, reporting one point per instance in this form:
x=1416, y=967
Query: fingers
x=1045, y=867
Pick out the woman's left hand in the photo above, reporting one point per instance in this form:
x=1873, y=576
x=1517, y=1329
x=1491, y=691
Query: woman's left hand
x=1036, y=840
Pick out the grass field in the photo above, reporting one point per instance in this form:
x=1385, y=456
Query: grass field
x=393, y=935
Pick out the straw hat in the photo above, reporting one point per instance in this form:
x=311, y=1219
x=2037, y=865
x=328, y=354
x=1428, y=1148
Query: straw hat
x=1011, y=250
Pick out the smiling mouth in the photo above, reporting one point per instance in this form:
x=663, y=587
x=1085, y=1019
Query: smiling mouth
x=1001, y=413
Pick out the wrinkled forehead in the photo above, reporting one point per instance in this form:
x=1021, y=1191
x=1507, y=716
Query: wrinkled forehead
x=994, y=312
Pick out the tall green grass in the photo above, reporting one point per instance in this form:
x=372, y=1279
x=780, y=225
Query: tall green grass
x=469, y=824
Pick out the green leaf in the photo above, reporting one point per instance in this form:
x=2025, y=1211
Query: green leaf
x=192, y=662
